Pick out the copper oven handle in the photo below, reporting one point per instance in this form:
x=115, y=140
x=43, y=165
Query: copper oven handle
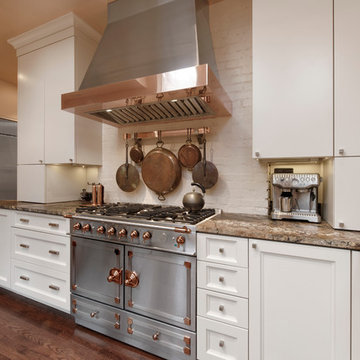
x=131, y=279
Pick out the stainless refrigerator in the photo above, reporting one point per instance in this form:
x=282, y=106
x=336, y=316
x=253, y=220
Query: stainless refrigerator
x=8, y=158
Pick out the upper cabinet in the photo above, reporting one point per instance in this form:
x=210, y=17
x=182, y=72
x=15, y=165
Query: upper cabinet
x=347, y=77
x=52, y=59
x=293, y=78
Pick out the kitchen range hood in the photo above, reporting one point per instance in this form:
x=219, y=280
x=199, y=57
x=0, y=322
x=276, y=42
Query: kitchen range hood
x=154, y=63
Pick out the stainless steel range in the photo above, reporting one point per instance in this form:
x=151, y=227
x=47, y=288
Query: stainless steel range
x=134, y=275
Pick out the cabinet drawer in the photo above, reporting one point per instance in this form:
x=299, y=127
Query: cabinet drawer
x=41, y=248
x=226, y=308
x=219, y=341
x=44, y=285
x=226, y=279
x=41, y=222
x=227, y=250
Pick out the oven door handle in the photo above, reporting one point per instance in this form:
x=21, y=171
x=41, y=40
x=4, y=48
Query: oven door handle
x=131, y=279
x=115, y=275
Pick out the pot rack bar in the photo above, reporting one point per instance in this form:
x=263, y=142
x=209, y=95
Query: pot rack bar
x=165, y=133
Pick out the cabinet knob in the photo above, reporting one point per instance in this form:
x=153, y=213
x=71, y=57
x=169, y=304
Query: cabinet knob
x=257, y=154
x=341, y=151
x=221, y=250
x=221, y=308
x=254, y=245
x=93, y=314
x=341, y=224
x=221, y=343
x=221, y=279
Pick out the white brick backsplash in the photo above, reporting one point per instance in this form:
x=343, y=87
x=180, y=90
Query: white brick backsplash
x=242, y=180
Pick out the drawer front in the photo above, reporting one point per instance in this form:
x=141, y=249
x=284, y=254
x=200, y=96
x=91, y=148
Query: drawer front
x=226, y=308
x=41, y=249
x=156, y=337
x=41, y=222
x=219, y=341
x=44, y=285
x=227, y=250
x=226, y=279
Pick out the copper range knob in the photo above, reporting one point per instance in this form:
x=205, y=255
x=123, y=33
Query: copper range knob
x=77, y=226
x=146, y=236
x=180, y=240
x=111, y=231
x=86, y=227
x=122, y=233
x=134, y=234
x=100, y=229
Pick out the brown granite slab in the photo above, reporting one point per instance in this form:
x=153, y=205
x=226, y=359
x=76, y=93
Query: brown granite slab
x=61, y=208
x=261, y=227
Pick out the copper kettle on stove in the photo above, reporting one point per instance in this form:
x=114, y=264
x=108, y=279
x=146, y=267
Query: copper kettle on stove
x=194, y=201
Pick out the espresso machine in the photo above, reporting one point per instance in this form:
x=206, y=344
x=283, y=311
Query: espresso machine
x=295, y=196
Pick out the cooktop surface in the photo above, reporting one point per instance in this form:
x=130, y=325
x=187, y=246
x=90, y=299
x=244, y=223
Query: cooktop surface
x=135, y=211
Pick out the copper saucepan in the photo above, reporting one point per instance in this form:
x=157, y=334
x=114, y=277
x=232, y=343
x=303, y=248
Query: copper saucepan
x=161, y=170
x=189, y=154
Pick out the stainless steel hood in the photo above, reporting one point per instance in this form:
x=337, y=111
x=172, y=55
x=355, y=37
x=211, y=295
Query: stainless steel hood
x=155, y=62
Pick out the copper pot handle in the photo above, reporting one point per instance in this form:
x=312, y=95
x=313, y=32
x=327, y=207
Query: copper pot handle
x=131, y=279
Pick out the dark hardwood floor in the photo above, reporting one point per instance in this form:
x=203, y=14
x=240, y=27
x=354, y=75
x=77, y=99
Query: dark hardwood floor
x=32, y=331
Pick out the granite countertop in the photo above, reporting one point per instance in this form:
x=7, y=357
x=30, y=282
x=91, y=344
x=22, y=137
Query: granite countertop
x=261, y=227
x=61, y=208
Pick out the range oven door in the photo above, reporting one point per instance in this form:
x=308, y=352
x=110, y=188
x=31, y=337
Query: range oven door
x=97, y=270
x=161, y=285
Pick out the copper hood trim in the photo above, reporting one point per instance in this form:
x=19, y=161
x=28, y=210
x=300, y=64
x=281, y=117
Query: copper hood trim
x=188, y=93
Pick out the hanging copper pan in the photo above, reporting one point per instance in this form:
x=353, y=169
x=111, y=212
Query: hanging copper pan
x=161, y=170
x=189, y=154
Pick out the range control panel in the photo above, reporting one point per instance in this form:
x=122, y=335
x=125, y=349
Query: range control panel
x=296, y=181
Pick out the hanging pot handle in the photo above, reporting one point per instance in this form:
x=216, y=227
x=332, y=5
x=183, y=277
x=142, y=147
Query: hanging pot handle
x=161, y=197
x=199, y=186
x=159, y=142
x=127, y=158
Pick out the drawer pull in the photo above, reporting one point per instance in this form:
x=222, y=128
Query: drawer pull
x=221, y=279
x=54, y=287
x=156, y=336
x=93, y=314
x=221, y=343
x=54, y=252
x=23, y=277
x=25, y=246
x=221, y=250
x=54, y=225
x=221, y=308
x=26, y=221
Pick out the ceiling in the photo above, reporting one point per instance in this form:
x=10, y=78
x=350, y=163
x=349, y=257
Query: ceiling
x=18, y=16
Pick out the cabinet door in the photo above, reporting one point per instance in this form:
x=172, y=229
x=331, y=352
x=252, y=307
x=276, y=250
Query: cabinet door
x=292, y=78
x=347, y=77
x=346, y=193
x=31, y=88
x=6, y=220
x=299, y=302
x=59, y=124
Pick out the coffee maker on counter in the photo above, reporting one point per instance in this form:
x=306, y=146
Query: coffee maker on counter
x=295, y=196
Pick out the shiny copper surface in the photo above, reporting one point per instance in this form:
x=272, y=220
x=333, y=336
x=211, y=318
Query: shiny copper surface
x=100, y=229
x=180, y=240
x=122, y=233
x=111, y=231
x=146, y=236
x=172, y=85
x=86, y=228
x=77, y=226
x=131, y=279
x=115, y=275
x=134, y=234
x=156, y=336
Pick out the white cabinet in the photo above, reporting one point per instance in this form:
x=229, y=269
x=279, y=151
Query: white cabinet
x=6, y=221
x=299, y=302
x=40, y=258
x=222, y=304
x=341, y=192
x=292, y=78
x=347, y=77
x=52, y=60
x=355, y=305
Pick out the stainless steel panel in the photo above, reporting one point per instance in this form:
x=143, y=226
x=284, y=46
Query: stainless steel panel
x=171, y=343
x=167, y=288
x=91, y=262
x=96, y=316
x=160, y=339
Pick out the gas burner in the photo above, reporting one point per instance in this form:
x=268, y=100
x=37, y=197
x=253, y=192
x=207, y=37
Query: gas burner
x=174, y=214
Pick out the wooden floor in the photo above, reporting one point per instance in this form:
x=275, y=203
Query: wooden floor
x=32, y=331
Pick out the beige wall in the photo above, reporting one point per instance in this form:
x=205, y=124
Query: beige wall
x=8, y=101
x=242, y=180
